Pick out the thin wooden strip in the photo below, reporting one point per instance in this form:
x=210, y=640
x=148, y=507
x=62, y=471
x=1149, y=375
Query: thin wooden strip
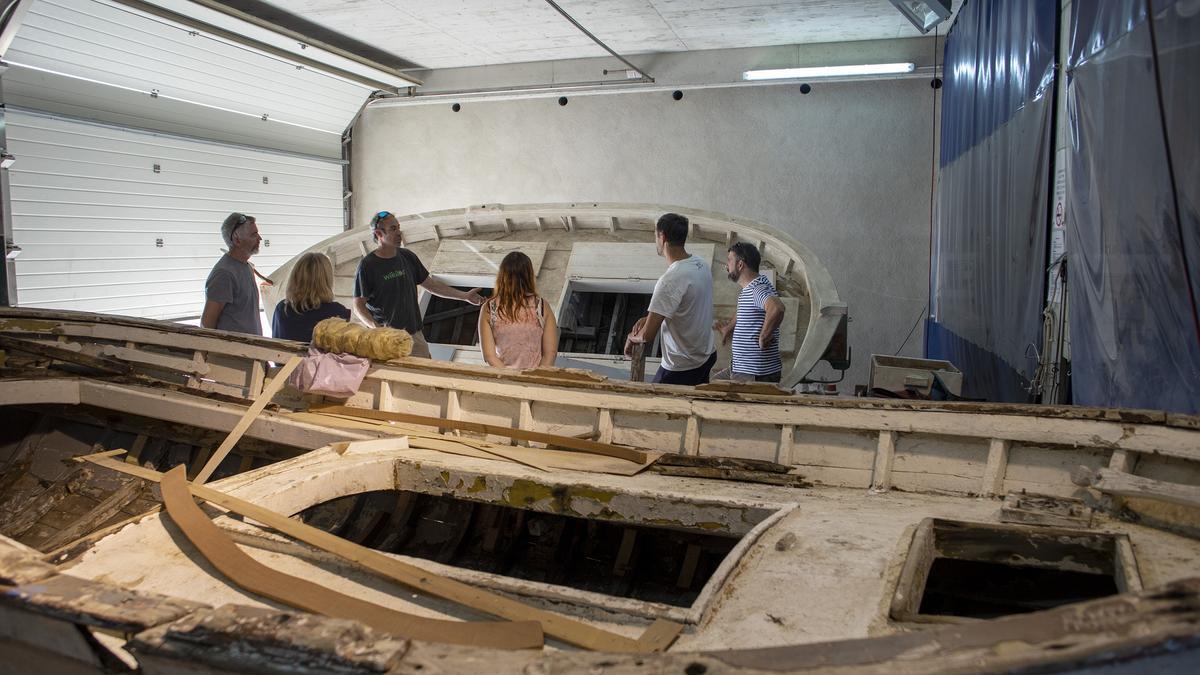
x=97, y=455
x=247, y=419
x=563, y=628
x=257, y=578
x=594, y=447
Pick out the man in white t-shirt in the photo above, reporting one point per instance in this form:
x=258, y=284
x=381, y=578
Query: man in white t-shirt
x=682, y=305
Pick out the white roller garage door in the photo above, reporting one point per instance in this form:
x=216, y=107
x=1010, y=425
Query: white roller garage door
x=122, y=221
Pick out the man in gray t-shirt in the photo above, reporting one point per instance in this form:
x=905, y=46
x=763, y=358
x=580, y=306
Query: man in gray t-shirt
x=230, y=294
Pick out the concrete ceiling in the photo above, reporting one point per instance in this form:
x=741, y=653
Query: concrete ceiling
x=459, y=33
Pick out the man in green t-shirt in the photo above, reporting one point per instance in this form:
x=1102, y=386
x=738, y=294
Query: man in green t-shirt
x=385, y=287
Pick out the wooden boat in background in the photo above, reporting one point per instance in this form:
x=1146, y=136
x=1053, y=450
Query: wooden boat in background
x=590, y=247
x=776, y=531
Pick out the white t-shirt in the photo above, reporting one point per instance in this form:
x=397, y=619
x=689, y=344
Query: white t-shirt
x=684, y=296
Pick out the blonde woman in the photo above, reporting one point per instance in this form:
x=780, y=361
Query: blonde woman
x=516, y=330
x=309, y=299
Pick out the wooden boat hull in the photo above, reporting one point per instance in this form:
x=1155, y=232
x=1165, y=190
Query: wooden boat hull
x=816, y=310
x=879, y=470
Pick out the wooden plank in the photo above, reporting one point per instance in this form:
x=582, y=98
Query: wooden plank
x=141, y=356
x=259, y=403
x=567, y=442
x=111, y=506
x=387, y=398
x=525, y=419
x=1128, y=485
x=564, y=628
x=198, y=462
x=687, y=571
x=450, y=445
x=258, y=375
x=637, y=363
x=625, y=261
x=478, y=257
x=787, y=441
x=26, y=513
x=885, y=455
x=604, y=426
x=1029, y=429
x=1033, y=509
x=622, y=564
x=997, y=466
x=135, y=451
x=453, y=409
x=691, y=436
x=256, y=577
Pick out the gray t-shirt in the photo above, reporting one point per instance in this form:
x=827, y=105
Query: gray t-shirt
x=232, y=282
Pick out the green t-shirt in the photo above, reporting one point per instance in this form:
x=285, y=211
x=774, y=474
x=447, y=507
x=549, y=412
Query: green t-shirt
x=389, y=286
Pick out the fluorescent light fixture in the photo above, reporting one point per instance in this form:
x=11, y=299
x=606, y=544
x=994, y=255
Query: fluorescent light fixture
x=830, y=71
x=924, y=14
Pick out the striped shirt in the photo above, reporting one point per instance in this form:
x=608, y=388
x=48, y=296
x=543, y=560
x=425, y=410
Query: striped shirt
x=748, y=357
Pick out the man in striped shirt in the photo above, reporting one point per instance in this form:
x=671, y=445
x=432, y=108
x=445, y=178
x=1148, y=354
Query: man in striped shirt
x=755, y=330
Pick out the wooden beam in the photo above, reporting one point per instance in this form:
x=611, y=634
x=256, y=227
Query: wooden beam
x=997, y=466
x=259, y=403
x=1128, y=485
x=885, y=453
x=787, y=441
x=251, y=575
x=604, y=426
x=691, y=436
x=565, y=442
x=525, y=418
x=662, y=633
x=135, y=452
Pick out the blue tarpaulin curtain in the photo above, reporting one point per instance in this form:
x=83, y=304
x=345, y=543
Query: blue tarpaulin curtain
x=988, y=257
x=1133, y=222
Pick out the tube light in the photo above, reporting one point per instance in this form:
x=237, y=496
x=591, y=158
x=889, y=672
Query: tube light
x=830, y=71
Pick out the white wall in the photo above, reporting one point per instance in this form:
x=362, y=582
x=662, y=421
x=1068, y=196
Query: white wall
x=845, y=169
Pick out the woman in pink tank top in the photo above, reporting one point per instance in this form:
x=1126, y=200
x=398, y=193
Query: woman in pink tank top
x=515, y=330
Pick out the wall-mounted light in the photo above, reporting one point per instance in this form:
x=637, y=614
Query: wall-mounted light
x=924, y=14
x=830, y=71
x=6, y=160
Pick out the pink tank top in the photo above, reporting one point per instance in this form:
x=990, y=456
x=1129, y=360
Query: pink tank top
x=519, y=343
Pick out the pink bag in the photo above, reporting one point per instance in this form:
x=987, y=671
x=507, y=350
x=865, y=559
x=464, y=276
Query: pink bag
x=336, y=375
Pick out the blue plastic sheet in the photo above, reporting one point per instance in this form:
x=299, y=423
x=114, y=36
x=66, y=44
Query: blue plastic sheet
x=987, y=273
x=1133, y=181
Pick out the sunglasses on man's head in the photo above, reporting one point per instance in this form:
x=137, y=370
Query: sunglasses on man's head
x=375, y=222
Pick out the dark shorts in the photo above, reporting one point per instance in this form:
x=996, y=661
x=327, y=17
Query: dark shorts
x=693, y=377
x=743, y=377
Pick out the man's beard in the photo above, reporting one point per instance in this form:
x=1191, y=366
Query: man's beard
x=733, y=276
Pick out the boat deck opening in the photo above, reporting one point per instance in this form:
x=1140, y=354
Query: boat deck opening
x=642, y=562
x=957, y=570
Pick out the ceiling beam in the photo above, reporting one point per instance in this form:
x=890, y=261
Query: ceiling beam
x=196, y=24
